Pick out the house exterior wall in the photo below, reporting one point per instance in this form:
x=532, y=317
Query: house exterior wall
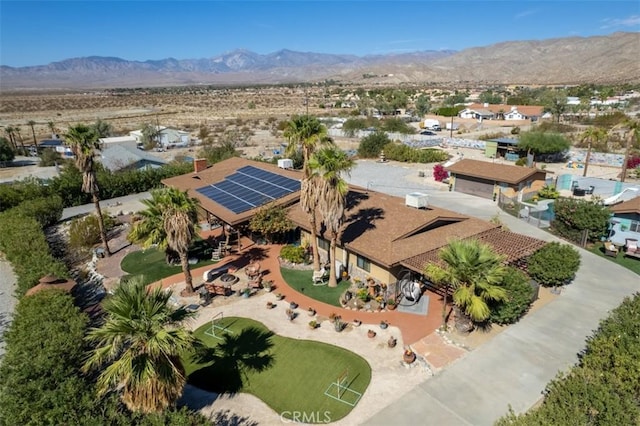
x=623, y=226
x=514, y=115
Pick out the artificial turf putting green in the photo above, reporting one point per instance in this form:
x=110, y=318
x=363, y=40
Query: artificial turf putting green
x=301, y=281
x=151, y=264
x=289, y=375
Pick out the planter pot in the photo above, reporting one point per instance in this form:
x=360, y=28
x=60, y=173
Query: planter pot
x=384, y=325
x=371, y=334
x=392, y=342
x=392, y=307
x=293, y=305
x=270, y=305
x=312, y=312
x=409, y=357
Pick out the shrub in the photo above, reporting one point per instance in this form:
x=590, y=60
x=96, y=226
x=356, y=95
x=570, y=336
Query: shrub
x=554, y=264
x=49, y=157
x=515, y=130
x=519, y=298
x=522, y=161
x=293, y=254
x=84, y=232
x=542, y=144
x=406, y=154
x=574, y=217
x=549, y=192
x=439, y=173
x=370, y=146
x=47, y=211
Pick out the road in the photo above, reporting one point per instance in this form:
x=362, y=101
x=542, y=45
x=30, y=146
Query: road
x=514, y=367
x=113, y=206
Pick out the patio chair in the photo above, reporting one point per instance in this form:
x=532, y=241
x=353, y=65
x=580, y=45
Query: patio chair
x=610, y=249
x=320, y=277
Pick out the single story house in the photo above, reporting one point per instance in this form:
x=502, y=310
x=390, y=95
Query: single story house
x=128, y=141
x=510, y=112
x=625, y=221
x=121, y=157
x=487, y=179
x=168, y=137
x=477, y=113
x=381, y=237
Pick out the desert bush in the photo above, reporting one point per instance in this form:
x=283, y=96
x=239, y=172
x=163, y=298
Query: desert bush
x=397, y=125
x=49, y=157
x=519, y=298
x=293, y=254
x=84, y=232
x=554, y=127
x=406, y=154
x=554, y=264
x=370, y=146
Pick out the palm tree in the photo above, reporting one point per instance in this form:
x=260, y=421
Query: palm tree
x=475, y=273
x=32, y=124
x=103, y=128
x=83, y=141
x=305, y=132
x=52, y=127
x=592, y=136
x=17, y=130
x=141, y=340
x=631, y=130
x=9, y=131
x=169, y=221
x=327, y=165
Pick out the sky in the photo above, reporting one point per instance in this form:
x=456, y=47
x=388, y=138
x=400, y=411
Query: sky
x=41, y=32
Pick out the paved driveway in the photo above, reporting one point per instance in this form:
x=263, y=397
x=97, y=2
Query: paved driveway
x=514, y=367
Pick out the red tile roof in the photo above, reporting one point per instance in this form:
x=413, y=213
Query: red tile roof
x=492, y=171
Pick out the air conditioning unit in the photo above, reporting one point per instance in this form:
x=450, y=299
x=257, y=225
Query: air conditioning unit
x=417, y=200
x=285, y=163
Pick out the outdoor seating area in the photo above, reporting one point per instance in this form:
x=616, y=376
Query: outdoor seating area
x=631, y=248
x=610, y=249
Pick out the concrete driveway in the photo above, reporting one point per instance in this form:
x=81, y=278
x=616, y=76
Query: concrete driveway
x=514, y=367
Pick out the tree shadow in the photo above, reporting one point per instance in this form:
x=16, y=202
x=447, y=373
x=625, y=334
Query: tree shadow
x=359, y=222
x=226, y=365
x=227, y=418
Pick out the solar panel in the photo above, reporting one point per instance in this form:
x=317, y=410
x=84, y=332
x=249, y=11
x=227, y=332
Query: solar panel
x=248, y=188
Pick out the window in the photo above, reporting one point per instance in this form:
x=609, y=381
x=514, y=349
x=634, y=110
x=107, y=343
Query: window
x=323, y=244
x=634, y=226
x=363, y=264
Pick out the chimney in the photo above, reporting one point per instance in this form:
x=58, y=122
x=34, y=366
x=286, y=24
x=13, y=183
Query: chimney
x=199, y=164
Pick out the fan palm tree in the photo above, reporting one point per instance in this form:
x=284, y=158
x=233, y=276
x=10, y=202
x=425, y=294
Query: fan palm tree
x=305, y=133
x=52, y=127
x=327, y=165
x=103, y=128
x=593, y=136
x=32, y=124
x=140, y=343
x=10, y=132
x=475, y=273
x=169, y=221
x=17, y=130
x=83, y=140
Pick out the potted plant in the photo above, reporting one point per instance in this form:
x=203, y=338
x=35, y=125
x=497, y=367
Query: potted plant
x=392, y=342
x=371, y=334
x=384, y=324
x=293, y=305
x=290, y=314
x=279, y=296
x=246, y=292
x=311, y=311
x=313, y=324
x=268, y=286
x=338, y=324
x=357, y=323
x=408, y=356
x=270, y=305
x=391, y=303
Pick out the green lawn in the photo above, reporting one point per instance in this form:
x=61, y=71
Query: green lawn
x=289, y=375
x=627, y=262
x=301, y=282
x=151, y=264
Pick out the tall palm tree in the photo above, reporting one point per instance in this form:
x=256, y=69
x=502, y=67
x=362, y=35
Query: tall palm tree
x=169, y=221
x=83, y=141
x=305, y=133
x=593, y=136
x=475, y=272
x=32, y=124
x=327, y=165
x=52, y=127
x=140, y=343
x=17, y=130
x=10, y=132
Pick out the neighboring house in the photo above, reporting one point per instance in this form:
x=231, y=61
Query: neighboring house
x=127, y=141
x=508, y=112
x=120, y=157
x=55, y=144
x=168, y=137
x=382, y=237
x=477, y=113
x=625, y=222
x=486, y=180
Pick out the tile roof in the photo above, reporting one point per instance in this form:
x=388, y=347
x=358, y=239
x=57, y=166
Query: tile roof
x=629, y=206
x=217, y=173
x=383, y=229
x=509, y=244
x=527, y=110
x=493, y=171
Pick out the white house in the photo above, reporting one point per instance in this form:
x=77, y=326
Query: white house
x=167, y=136
x=128, y=141
x=476, y=113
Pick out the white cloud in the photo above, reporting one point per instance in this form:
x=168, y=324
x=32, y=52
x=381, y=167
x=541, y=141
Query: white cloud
x=631, y=21
x=525, y=13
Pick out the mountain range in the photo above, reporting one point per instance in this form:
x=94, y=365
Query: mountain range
x=572, y=60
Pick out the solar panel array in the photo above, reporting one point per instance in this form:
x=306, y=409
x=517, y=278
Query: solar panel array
x=249, y=187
